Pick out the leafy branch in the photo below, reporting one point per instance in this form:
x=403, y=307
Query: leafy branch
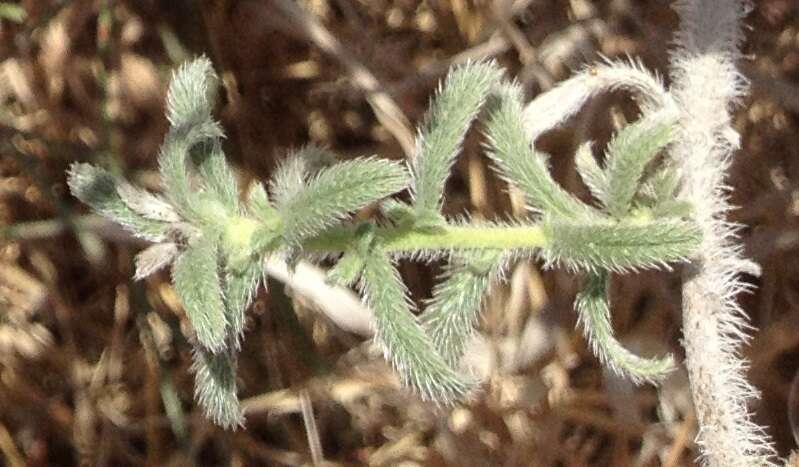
x=216, y=242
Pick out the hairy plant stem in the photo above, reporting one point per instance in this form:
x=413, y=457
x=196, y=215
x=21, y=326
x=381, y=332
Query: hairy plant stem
x=447, y=237
x=243, y=234
x=706, y=86
x=405, y=239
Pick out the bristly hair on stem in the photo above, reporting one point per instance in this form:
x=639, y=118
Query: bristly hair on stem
x=707, y=85
x=218, y=243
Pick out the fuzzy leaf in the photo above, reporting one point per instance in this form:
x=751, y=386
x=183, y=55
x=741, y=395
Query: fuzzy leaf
x=215, y=386
x=294, y=171
x=240, y=287
x=451, y=315
x=628, y=154
x=266, y=235
x=347, y=269
x=154, y=258
x=619, y=247
x=399, y=213
x=257, y=198
x=192, y=202
x=147, y=204
x=217, y=176
x=334, y=192
x=192, y=91
x=594, y=317
x=195, y=276
x=592, y=174
x=193, y=131
x=403, y=340
x=661, y=185
x=672, y=208
x=289, y=179
x=100, y=190
x=438, y=143
x=522, y=166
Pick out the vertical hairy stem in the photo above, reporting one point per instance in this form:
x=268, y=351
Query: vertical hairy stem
x=706, y=85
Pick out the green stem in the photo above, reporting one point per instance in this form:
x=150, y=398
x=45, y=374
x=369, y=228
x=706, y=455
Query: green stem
x=447, y=237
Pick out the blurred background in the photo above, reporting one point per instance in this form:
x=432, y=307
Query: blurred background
x=94, y=366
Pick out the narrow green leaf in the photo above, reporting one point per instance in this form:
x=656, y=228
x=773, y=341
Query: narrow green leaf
x=672, y=208
x=257, y=198
x=215, y=386
x=258, y=205
x=147, y=204
x=397, y=212
x=452, y=314
x=451, y=112
x=404, y=342
x=594, y=317
x=193, y=131
x=619, y=247
x=294, y=171
x=336, y=191
x=195, y=275
x=347, y=269
x=592, y=175
x=191, y=93
x=628, y=154
x=192, y=202
x=240, y=287
x=661, y=185
x=100, y=190
x=522, y=166
x=289, y=179
x=217, y=176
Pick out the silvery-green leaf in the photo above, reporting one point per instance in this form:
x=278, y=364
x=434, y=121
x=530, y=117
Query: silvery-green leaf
x=594, y=316
x=521, y=165
x=240, y=287
x=216, y=175
x=193, y=201
x=592, y=175
x=289, y=179
x=191, y=93
x=147, y=204
x=619, y=246
x=334, y=192
x=452, y=314
x=193, y=130
x=99, y=189
x=154, y=258
x=257, y=198
x=403, y=339
x=628, y=154
x=295, y=170
x=347, y=270
x=451, y=112
x=196, y=280
x=215, y=386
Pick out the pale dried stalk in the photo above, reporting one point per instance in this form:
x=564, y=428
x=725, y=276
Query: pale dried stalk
x=706, y=85
x=340, y=305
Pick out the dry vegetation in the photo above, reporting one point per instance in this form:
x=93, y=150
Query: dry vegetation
x=94, y=366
